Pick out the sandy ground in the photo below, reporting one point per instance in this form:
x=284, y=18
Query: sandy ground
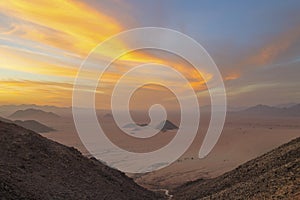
x=243, y=138
x=240, y=141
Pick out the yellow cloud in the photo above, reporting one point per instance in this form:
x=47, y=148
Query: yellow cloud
x=197, y=80
x=76, y=28
x=72, y=26
x=43, y=93
x=25, y=62
x=66, y=24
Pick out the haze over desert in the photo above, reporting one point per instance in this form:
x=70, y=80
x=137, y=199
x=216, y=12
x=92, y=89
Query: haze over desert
x=137, y=100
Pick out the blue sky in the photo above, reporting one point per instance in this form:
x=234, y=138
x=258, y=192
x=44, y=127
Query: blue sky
x=256, y=44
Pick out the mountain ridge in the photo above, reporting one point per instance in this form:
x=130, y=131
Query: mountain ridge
x=31, y=112
x=33, y=167
x=265, y=110
x=274, y=175
x=30, y=124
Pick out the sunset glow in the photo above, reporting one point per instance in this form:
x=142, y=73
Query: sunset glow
x=43, y=43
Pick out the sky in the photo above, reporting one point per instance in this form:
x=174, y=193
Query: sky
x=255, y=44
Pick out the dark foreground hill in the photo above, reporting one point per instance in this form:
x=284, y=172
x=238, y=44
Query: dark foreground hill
x=274, y=175
x=33, y=167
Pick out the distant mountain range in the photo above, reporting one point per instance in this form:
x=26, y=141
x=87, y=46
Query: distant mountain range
x=207, y=108
x=33, y=167
x=6, y=110
x=34, y=114
x=286, y=105
x=264, y=110
x=30, y=124
x=274, y=175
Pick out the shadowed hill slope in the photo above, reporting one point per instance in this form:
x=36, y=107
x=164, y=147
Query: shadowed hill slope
x=33, y=167
x=166, y=126
x=274, y=175
x=30, y=124
x=34, y=126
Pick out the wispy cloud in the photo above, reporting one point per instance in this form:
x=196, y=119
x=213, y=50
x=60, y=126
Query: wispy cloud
x=42, y=44
x=274, y=49
x=69, y=25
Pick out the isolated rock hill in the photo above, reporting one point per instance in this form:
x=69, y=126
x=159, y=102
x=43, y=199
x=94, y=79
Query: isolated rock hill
x=33, y=167
x=166, y=126
x=33, y=114
x=163, y=126
x=274, y=175
x=30, y=124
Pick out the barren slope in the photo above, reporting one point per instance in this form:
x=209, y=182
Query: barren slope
x=33, y=167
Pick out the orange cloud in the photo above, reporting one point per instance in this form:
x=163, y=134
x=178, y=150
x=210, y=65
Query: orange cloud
x=72, y=26
x=232, y=76
x=76, y=28
x=65, y=24
x=18, y=92
x=38, y=92
x=197, y=80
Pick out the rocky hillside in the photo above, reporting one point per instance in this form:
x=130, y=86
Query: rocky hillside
x=33, y=167
x=275, y=175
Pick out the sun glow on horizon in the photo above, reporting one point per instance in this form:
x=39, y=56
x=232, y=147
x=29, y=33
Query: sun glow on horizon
x=43, y=43
x=52, y=40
